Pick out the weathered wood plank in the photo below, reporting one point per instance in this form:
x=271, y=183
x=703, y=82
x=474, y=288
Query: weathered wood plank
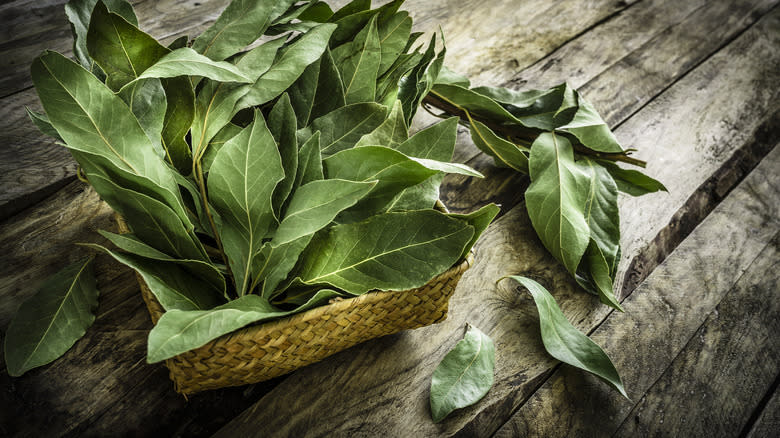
x=395, y=372
x=728, y=365
x=768, y=422
x=33, y=167
x=665, y=313
x=32, y=26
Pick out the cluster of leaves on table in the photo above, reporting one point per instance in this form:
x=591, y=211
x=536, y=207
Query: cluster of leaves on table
x=262, y=182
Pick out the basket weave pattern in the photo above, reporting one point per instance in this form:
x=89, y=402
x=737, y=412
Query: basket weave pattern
x=263, y=351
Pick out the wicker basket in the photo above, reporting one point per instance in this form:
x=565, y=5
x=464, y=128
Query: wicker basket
x=266, y=350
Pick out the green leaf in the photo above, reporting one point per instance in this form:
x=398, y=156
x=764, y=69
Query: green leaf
x=93, y=120
x=51, y=321
x=174, y=287
x=480, y=220
x=205, y=271
x=180, y=330
x=179, y=114
x=318, y=90
x=564, y=342
x=556, y=199
x=274, y=263
x=358, y=62
x=149, y=219
x=289, y=65
x=601, y=211
x=216, y=103
x=309, y=162
x=464, y=376
x=240, y=24
x=436, y=142
x=241, y=182
x=474, y=102
x=342, y=129
x=350, y=8
x=42, y=122
x=392, y=170
x=121, y=49
x=541, y=109
x=282, y=124
x=369, y=255
x=223, y=136
x=146, y=99
x=393, y=36
x=595, y=277
x=179, y=42
x=319, y=12
x=187, y=62
x=590, y=129
x=387, y=84
x=504, y=153
x=631, y=181
x=316, y=204
x=79, y=13
x=447, y=76
x=392, y=132
x=413, y=87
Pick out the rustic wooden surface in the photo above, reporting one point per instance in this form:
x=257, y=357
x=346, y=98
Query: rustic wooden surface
x=692, y=84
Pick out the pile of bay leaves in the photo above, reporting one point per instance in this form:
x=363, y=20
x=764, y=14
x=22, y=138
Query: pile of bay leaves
x=266, y=167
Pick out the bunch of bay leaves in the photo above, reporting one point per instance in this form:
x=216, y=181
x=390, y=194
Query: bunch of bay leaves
x=265, y=167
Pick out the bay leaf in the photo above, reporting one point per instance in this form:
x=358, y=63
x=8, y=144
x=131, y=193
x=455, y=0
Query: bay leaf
x=240, y=185
x=91, y=119
x=178, y=331
x=464, y=376
x=480, y=220
x=601, y=211
x=342, y=128
x=205, y=271
x=309, y=162
x=590, y=129
x=392, y=170
x=52, y=320
x=393, y=36
x=274, y=263
x=173, y=286
x=42, y=122
x=316, y=204
x=504, y=153
x=79, y=13
x=121, y=49
x=391, y=251
x=179, y=114
x=146, y=99
x=283, y=125
x=392, y=132
x=187, y=62
x=239, y=24
x=318, y=90
x=358, y=62
x=289, y=65
x=567, y=344
x=632, y=182
x=436, y=142
x=556, y=199
x=595, y=277
x=150, y=219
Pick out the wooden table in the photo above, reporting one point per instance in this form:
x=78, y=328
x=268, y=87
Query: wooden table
x=692, y=84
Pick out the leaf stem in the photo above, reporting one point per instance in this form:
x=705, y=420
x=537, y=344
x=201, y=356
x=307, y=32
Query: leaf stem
x=198, y=173
x=523, y=137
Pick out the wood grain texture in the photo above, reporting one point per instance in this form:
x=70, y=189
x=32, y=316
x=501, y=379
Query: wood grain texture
x=708, y=95
x=768, y=422
x=662, y=319
x=730, y=362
